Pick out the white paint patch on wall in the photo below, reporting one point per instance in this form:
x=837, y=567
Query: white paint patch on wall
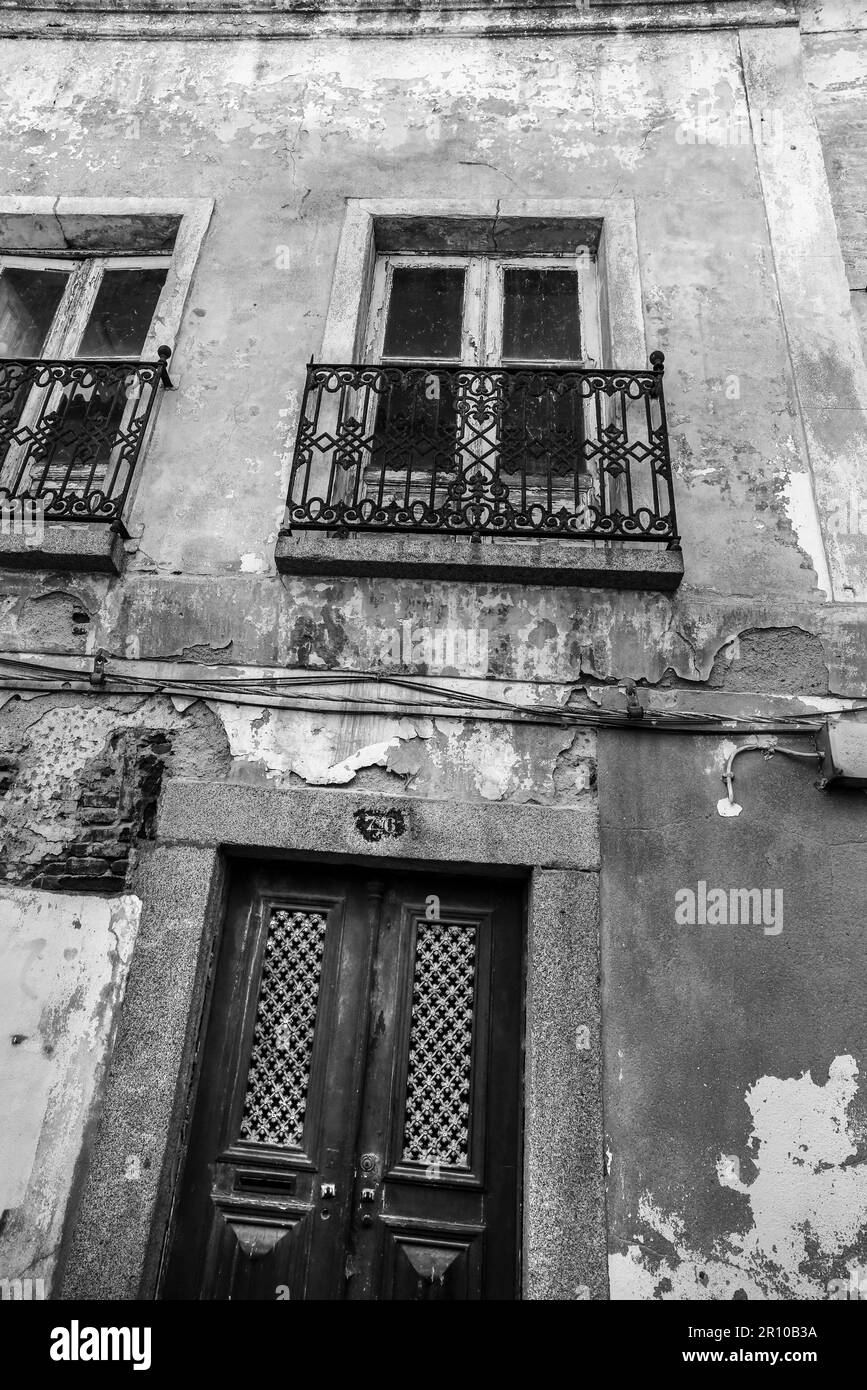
x=322, y=751
x=803, y=513
x=808, y=1202
x=489, y=755
x=63, y=968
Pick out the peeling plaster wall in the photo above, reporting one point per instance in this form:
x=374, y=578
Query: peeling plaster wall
x=423, y=757
x=280, y=133
x=63, y=964
x=735, y=1060
x=80, y=782
x=52, y=750
x=353, y=625
x=835, y=60
x=734, y=1065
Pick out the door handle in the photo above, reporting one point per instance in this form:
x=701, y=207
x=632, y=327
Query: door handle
x=327, y=1190
x=368, y=1197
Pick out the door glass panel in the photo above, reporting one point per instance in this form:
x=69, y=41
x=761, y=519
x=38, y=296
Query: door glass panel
x=424, y=312
x=439, y=1071
x=122, y=313
x=275, y=1100
x=540, y=315
x=29, y=299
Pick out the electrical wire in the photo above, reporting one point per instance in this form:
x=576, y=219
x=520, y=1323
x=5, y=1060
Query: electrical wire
x=278, y=690
x=768, y=748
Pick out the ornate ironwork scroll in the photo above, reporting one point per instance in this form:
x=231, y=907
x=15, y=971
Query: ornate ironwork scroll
x=485, y=451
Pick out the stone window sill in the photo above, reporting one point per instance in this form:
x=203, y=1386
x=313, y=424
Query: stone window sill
x=93, y=546
x=603, y=564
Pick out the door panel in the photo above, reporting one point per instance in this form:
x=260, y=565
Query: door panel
x=276, y=1085
x=428, y=1265
x=356, y=1125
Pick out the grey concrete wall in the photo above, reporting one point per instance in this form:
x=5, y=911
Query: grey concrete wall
x=281, y=133
x=835, y=60
x=736, y=146
x=734, y=1053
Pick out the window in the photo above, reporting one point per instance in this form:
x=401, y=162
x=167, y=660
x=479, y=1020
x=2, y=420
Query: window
x=67, y=434
x=484, y=374
x=438, y=432
x=90, y=307
x=485, y=311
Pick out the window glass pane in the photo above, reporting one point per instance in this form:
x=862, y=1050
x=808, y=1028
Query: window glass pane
x=540, y=314
x=122, y=313
x=424, y=312
x=28, y=303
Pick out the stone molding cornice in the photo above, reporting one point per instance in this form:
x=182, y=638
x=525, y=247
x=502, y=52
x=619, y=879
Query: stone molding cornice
x=317, y=19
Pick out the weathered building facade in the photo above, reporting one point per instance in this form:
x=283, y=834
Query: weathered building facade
x=376, y=920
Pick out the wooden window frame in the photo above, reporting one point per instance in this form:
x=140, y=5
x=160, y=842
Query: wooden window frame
x=482, y=317
x=482, y=313
x=85, y=278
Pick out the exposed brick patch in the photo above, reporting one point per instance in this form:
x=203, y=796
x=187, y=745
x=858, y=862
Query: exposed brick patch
x=116, y=806
x=80, y=780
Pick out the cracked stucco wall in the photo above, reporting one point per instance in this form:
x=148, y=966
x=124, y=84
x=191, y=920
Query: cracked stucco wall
x=835, y=61
x=63, y=965
x=736, y=1106
x=280, y=133
x=735, y=1067
x=79, y=778
x=53, y=744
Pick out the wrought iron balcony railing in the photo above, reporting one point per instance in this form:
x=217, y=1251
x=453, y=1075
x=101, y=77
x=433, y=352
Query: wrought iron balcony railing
x=526, y=452
x=71, y=432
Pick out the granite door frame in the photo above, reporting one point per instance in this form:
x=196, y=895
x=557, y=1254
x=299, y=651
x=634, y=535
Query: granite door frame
x=117, y=1226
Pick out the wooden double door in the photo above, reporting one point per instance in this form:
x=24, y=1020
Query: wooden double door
x=356, y=1131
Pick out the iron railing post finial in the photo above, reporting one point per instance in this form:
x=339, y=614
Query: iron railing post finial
x=164, y=352
x=657, y=362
